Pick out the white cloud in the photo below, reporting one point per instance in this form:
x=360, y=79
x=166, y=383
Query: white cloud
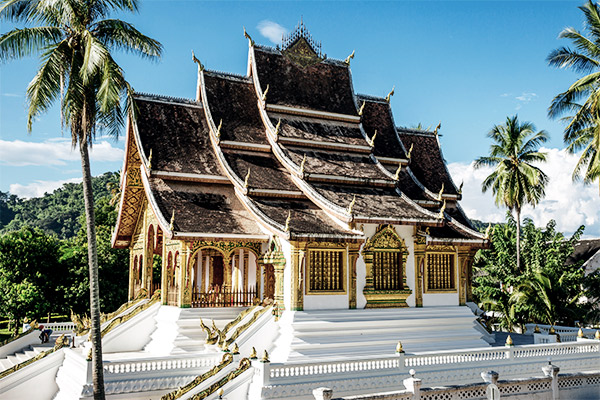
x=271, y=30
x=56, y=151
x=526, y=97
x=570, y=203
x=38, y=188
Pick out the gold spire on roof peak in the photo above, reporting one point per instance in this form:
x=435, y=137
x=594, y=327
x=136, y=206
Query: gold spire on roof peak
x=437, y=128
x=264, y=95
x=372, y=140
x=277, y=127
x=247, y=36
x=287, y=221
x=390, y=94
x=441, y=193
x=194, y=59
x=362, y=108
x=302, y=164
x=352, y=203
x=397, y=175
x=247, y=178
x=350, y=57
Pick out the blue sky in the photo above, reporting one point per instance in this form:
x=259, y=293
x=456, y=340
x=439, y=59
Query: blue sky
x=468, y=64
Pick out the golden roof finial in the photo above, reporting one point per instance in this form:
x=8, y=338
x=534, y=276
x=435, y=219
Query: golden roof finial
x=488, y=230
x=253, y=355
x=150, y=160
x=349, y=209
x=265, y=357
x=287, y=221
x=437, y=128
x=460, y=187
x=397, y=175
x=264, y=96
x=410, y=151
x=509, y=341
x=362, y=108
x=247, y=36
x=580, y=333
x=372, y=140
x=247, y=178
x=277, y=127
x=172, y=223
x=350, y=57
x=219, y=129
x=302, y=164
x=200, y=66
x=390, y=94
x=597, y=335
x=439, y=198
x=441, y=214
x=399, y=348
x=236, y=349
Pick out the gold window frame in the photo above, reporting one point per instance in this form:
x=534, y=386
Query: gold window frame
x=331, y=248
x=426, y=273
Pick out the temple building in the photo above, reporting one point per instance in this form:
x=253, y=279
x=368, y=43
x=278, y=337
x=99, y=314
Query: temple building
x=285, y=184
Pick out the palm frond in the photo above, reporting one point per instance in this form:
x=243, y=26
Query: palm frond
x=20, y=43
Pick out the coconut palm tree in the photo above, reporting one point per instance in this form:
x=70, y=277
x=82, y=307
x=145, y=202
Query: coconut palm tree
x=515, y=181
x=582, y=98
x=75, y=39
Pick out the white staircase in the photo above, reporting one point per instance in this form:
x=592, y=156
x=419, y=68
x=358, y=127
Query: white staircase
x=29, y=351
x=338, y=334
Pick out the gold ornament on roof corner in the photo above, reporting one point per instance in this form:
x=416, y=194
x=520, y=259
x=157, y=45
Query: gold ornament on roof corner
x=264, y=96
x=351, y=205
x=277, y=127
x=397, y=175
x=372, y=140
x=150, y=160
x=580, y=333
x=399, y=348
x=247, y=179
x=302, y=165
x=350, y=57
x=219, y=129
x=287, y=221
x=441, y=214
x=265, y=357
x=509, y=341
x=488, y=230
x=253, y=355
x=200, y=66
x=439, y=198
x=410, y=151
x=460, y=187
x=172, y=223
x=362, y=109
x=390, y=94
x=597, y=335
x=437, y=128
x=247, y=36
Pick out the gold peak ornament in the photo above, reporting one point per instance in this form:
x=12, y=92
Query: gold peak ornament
x=399, y=348
x=172, y=223
x=219, y=129
x=410, y=151
x=390, y=94
x=439, y=198
x=349, y=209
x=397, y=175
x=437, y=128
x=265, y=357
x=372, y=140
x=441, y=214
x=350, y=57
x=287, y=221
x=302, y=165
x=150, y=160
x=264, y=96
x=200, y=66
x=247, y=178
x=361, y=109
x=247, y=36
x=277, y=127
x=253, y=355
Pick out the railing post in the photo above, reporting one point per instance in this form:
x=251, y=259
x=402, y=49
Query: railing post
x=413, y=385
x=552, y=371
x=263, y=371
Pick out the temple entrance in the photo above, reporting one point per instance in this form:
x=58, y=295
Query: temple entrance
x=269, y=289
x=223, y=280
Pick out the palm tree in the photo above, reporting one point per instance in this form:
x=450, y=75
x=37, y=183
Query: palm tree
x=515, y=181
x=75, y=39
x=582, y=98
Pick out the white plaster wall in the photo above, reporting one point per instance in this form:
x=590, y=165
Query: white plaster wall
x=286, y=248
x=326, y=302
x=361, y=276
x=406, y=232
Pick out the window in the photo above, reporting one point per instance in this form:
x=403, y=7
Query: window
x=326, y=270
x=387, y=270
x=441, y=274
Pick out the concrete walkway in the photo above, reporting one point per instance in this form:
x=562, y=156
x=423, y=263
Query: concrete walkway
x=517, y=338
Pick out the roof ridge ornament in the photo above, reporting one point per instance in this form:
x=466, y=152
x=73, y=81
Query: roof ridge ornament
x=397, y=175
x=351, y=205
x=264, y=95
x=390, y=94
x=487, y=233
x=219, y=130
x=302, y=165
x=251, y=42
x=372, y=140
x=437, y=128
x=300, y=47
x=362, y=108
x=200, y=66
x=440, y=194
x=287, y=222
x=247, y=178
x=441, y=214
x=150, y=161
x=410, y=151
x=350, y=57
x=277, y=127
x=172, y=223
x=460, y=187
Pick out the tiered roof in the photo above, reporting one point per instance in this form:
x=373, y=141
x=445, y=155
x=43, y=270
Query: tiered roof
x=288, y=150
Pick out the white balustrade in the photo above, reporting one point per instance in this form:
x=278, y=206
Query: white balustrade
x=137, y=366
x=328, y=368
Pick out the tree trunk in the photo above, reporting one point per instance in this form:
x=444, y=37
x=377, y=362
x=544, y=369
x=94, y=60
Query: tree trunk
x=96, y=334
x=17, y=320
x=518, y=212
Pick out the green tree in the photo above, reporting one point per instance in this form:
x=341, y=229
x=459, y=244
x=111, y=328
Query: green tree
x=30, y=275
x=515, y=181
x=75, y=40
x=582, y=98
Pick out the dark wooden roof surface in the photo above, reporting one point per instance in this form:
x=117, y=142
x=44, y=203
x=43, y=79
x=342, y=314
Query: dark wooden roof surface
x=377, y=116
x=320, y=131
x=265, y=171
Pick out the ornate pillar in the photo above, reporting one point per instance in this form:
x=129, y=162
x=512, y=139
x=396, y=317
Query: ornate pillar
x=130, y=293
x=203, y=263
x=226, y=290
x=164, y=275
x=211, y=269
x=185, y=293
x=278, y=270
x=259, y=271
x=353, y=254
x=246, y=269
x=297, y=298
x=420, y=242
x=235, y=264
x=465, y=265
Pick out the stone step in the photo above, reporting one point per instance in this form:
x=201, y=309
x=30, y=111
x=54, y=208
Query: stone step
x=5, y=364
